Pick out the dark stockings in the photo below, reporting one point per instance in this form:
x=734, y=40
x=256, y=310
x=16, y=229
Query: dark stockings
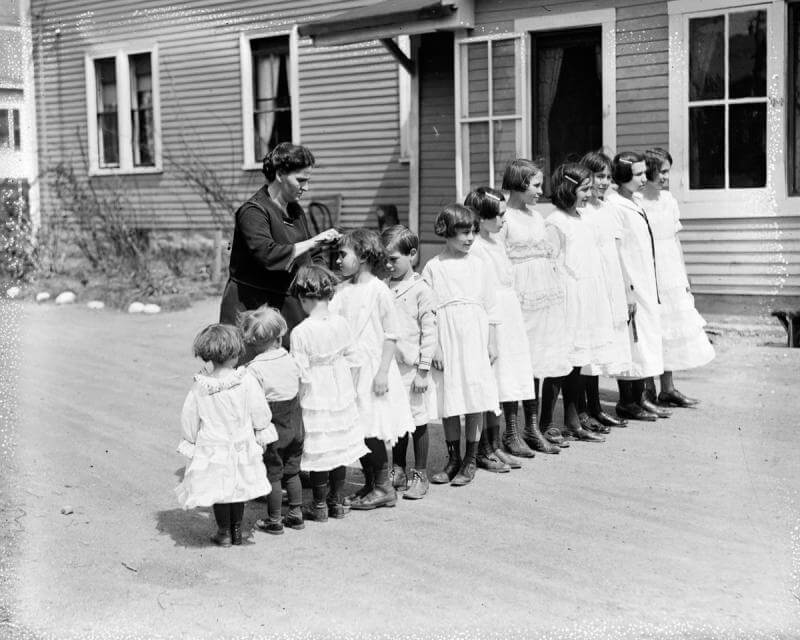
x=228, y=514
x=572, y=391
x=593, y=394
x=400, y=451
x=551, y=388
x=421, y=440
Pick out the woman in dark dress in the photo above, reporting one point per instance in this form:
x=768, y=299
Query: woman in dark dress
x=271, y=239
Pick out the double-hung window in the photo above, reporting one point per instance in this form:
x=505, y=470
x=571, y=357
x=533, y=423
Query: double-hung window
x=269, y=94
x=123, y=111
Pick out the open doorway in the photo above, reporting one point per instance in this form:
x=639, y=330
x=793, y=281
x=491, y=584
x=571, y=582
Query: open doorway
x=567, y=95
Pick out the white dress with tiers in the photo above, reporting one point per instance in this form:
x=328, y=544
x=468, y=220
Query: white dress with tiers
x=540, y=288
x=218, y=424
x=323, y=350
x=368, y=307
x=686, y=345
x=513, y=370
x=589, y=317
x=616, y=356
x=466, y=305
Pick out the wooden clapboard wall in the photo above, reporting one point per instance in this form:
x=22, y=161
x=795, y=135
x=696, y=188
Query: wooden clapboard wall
x=348, y=102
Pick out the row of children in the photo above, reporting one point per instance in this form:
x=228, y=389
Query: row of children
x=512, y=298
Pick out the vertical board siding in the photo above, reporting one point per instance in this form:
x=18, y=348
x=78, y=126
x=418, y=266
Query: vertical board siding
x=348, y=104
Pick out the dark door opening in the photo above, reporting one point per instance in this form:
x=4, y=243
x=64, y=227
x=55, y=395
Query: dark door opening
x=567, y=96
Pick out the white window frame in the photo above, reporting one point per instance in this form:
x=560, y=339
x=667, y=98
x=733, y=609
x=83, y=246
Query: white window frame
x=606, y=19
x=246, y=66
x=726, y=202
x=462, y=121
x=120, y=52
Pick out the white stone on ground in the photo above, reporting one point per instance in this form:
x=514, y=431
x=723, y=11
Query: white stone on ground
x=151, y=308
x=65, y=297
x=135, y=307
x=96, y=304
x=42, y=296
x=13, y=292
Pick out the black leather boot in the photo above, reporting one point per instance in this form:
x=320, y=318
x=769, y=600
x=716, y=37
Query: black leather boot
x=675, y=398
x=453, y=463
x=512, y=440
x=627, y=407
x=532, y=436
x=646, y=397
x=369, y=480
x=486, y=458
x=466, y=473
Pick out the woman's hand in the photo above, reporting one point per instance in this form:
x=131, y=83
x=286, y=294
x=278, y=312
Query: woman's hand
x=326, y=237
x=380, y=384
x=438, y=359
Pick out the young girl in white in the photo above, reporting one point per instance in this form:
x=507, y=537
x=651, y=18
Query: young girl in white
x=279, y=377
x=617, y=357
x=466, y=320
x=589, y=317
x=384, y=412
x=541, y=293
x=686, y=345
x=416, y=345
x=225, y=426
x=322, y=346
x=638, y=270
x=512, y=369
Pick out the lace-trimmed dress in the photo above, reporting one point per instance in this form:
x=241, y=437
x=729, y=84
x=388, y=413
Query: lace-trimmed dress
x=512, y=369
x=540, y=289
x=589, y=318
x=368, y=307
x=218, y=424
x=323, y=350
x=465, y=307
x=686, y=345
x=616, y=356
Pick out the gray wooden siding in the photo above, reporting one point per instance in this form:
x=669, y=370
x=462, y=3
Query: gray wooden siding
x=348, y=95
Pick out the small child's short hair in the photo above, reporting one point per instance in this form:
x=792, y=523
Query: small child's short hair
x=218, y=343
x=565, y=182
x=485, y=201
x=621, y=166
x=399, y=238
x=367, y=246
x=452, y=219
x=262, y=326
x=654, y=158
x=315, y=282
x=518, y=174
x=596, y=161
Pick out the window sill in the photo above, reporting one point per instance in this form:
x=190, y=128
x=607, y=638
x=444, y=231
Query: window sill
x=125, y=172
x=252, y=167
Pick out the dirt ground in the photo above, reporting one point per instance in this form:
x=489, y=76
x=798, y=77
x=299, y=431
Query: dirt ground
x=686, y=528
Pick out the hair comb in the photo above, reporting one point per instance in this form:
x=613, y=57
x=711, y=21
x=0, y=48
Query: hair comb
x=491, y=195
x=570, y=178
x=625, y=161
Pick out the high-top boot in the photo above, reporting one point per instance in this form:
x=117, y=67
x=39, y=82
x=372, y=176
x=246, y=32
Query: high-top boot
x=369, y=481
x=382, y=495
x=493, y=433
x=453, y=463
x=572, y=425
x=627, y=407
x=318, y=510
x=512, y=440
x=486, y=458
x=532, y=436
x=646, y=397
x=466, y=473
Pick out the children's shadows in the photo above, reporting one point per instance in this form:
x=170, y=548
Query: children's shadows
x=188, y=528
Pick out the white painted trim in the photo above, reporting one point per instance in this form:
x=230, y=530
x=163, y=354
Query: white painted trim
x=606, y=19
x=404, y=81
x=121, y=52
x=246, y=75
x=413, y=141
x=694, y=6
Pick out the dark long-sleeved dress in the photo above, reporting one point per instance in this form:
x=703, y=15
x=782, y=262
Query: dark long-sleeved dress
x=261, y=266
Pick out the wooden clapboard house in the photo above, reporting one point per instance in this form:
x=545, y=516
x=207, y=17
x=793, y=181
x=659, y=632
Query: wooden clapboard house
x=413, y=102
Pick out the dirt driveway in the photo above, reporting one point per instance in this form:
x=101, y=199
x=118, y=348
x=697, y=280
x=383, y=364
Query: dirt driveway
x=685, y=528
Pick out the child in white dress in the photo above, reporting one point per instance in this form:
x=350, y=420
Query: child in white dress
x=466, y=321
x=589, y=318
x=686, y=345
x=638, y=270
x=225, y=426
x=540, y=288
x=366, y=303
x=322, y=346
x=513, y=370
x=279, y=377
x=617, y=356
x=416, y=345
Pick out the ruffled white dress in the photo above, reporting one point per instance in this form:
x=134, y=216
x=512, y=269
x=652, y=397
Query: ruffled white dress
x=368, y=307
x=219, y=421
x=616, y=356
x=686, y=345
x=323, y=350
x=512, y=369
x=540, y=288
x=416, y=313
x=466, y=306
x=589, y=317
x=638, y=270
